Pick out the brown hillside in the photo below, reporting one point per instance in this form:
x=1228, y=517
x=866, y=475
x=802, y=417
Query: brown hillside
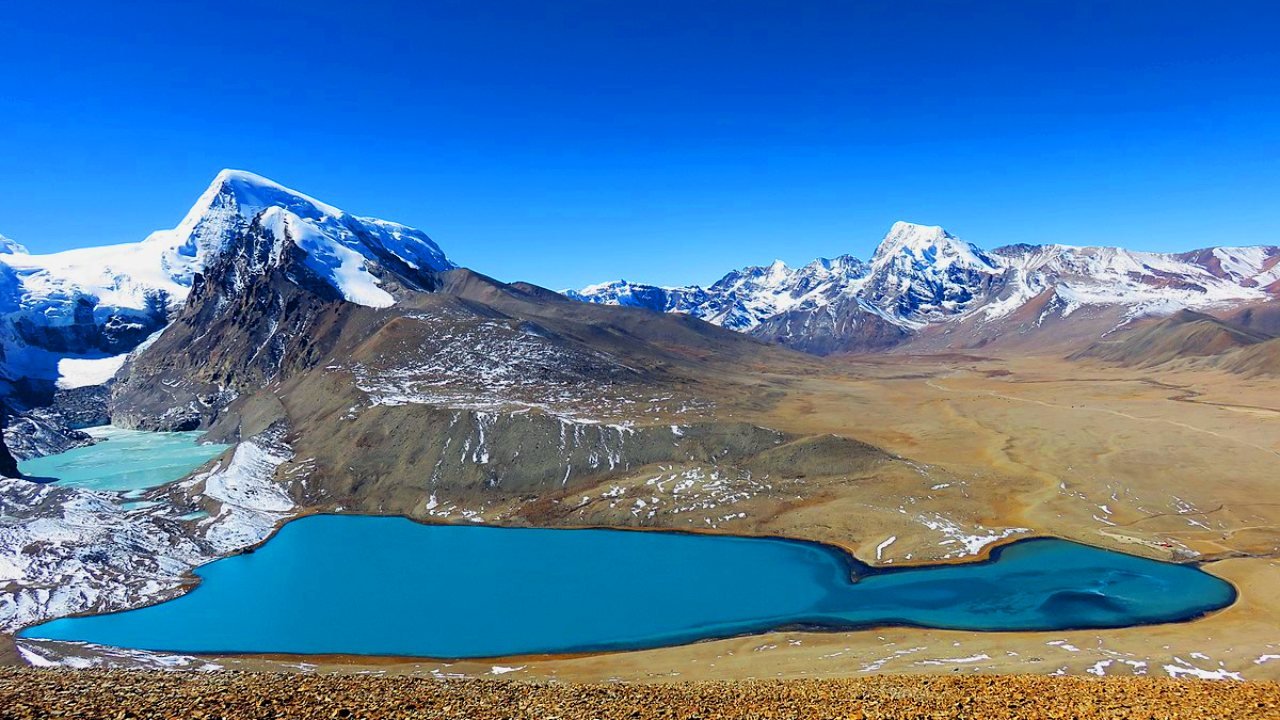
x=1185, y=334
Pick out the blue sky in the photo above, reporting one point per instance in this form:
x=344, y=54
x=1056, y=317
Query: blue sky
x=576, y=141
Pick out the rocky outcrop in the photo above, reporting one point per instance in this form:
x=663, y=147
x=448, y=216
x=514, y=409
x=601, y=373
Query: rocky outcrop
x=41, y=432
x=8, y=465
x=245, y=324
x=846, y=326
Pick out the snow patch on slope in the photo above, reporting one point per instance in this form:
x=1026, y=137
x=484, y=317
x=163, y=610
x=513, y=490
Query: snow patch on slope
x=78, y=372
x=65, y=550
x=339, y=265
x=251, y=503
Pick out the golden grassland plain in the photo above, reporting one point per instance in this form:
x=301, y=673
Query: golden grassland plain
x=1170, y=464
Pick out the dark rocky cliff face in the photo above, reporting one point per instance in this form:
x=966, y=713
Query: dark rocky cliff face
x=245, y=324
x=8, y=466
x=119, y=332
x=844, y=326
x=55, y=425
x=42, y=431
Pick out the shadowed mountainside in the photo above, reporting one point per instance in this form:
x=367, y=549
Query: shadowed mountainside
x=8, y=466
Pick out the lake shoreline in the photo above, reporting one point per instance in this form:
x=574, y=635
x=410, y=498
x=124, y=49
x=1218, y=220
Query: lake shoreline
x=824, y=618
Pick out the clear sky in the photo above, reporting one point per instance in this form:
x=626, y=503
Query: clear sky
x=662, y=141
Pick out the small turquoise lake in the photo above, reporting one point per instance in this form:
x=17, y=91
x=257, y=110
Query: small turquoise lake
x=125, y=460
x=350, y=584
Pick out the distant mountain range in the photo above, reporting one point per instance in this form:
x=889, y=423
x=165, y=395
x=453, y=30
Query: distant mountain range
x=924, y=287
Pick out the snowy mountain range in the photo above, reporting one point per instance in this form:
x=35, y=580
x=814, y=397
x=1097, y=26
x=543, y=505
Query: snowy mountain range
x=923, y=283
x=69, y=319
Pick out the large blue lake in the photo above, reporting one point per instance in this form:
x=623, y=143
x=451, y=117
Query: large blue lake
x=125, y=459
x=389, y=586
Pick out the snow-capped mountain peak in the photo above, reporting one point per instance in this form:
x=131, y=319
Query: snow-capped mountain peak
x=930, y=245
x=235, y=197
x=221, y=212
x=920, y=273
x=249, y=194
x=102, y=301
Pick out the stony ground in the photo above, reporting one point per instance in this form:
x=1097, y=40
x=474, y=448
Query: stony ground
x=30, y=693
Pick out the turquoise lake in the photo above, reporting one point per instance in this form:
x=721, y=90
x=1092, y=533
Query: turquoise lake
x=355, y=584
x=125, y=460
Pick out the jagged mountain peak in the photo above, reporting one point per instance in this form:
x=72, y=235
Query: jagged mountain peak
x=347, y=251
x=253, y=193
x=905, y=231
x=930, y=244
x=841, y=263
x=96, y=301
x=774, y=271
x=227, y=206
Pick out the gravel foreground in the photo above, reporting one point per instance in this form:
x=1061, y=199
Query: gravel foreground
x=116, y=694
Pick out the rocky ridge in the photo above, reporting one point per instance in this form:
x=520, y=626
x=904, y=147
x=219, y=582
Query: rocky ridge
x=926, y=288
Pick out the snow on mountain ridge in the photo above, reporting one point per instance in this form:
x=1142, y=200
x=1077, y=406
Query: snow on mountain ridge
x=118, y=275
x=921, y=275
x=97, y=302
x=1146, y=283
x=235, y=197
x=335, y=262
x=929, y=244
